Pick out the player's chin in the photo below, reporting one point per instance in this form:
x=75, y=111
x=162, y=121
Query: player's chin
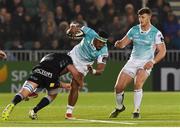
x=98, y=48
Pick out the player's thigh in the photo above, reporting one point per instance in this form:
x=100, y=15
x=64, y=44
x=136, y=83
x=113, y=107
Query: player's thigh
x=140, y=78
x=122, y=81
x=27, y=88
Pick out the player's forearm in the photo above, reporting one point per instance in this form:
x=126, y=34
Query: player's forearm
x=119, y=44
x=160, y=55
x=123, y=42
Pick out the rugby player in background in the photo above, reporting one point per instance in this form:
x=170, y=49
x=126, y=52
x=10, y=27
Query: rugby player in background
x=148, y=49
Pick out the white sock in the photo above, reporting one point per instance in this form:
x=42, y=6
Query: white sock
x=69, y=109
x=119, y=100
x=138, y=94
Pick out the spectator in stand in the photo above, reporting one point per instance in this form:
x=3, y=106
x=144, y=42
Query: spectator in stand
x=54, y=45
x=29, y=31
x=62, y=36
x=48, y=30
x=17, y=45
x=155, y=21
x=170, y=26
x=31, y=7
x=6, y=33
x=60, y=15
x=77, y=10
x=80, y=19
x=18, y=21
x=37, y=45
x=116, y=28
x=175, y=41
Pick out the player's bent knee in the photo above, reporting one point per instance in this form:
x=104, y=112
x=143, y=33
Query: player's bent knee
x=118, y=89
x=28, y=86
x=51, y=97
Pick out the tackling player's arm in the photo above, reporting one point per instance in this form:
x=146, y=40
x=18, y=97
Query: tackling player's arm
x=76, y=75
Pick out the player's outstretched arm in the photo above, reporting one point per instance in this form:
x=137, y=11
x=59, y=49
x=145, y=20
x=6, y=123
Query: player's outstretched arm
x=123, y=42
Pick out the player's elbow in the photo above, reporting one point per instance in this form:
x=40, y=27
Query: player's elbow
x=119, y=45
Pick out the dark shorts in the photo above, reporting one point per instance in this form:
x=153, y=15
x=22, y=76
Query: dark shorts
x=43, y=80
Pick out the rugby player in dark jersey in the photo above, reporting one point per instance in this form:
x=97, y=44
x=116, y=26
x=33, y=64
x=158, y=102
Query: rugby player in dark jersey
x=45, y=75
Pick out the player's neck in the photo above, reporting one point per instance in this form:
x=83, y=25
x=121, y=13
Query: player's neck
x=146, y=27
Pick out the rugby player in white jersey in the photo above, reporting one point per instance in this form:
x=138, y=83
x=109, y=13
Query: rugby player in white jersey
x=92, y=48
x=148, y=49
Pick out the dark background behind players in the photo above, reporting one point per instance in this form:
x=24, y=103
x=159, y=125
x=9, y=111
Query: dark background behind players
x=41, y=24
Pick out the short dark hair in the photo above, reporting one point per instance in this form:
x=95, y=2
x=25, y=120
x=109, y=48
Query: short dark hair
x=145, y=10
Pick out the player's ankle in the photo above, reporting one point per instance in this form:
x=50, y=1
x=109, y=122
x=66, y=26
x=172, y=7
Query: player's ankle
x=69, y=109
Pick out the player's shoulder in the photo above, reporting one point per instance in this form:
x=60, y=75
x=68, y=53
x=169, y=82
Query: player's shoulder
x=154, y=29
x=134, y=28
x=88, y=31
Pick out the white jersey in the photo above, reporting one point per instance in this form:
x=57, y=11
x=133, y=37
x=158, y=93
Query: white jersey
x=85, y=53
x=144, y=42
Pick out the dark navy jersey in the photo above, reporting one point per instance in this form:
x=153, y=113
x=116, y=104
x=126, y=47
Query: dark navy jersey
x=53, y=64
x=46, y=73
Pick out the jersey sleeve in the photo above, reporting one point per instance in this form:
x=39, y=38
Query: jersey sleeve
x=159, y=38
x=130, y=34
x=102, y=58
x=88, y=31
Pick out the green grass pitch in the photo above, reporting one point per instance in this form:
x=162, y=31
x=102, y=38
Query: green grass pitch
x=92, y=109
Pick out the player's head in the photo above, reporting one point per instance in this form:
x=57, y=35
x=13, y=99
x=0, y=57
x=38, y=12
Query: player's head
x=144, y=15
x=100, y=40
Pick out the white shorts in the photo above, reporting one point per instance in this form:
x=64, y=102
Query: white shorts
x=80, y=64
x=132, y=66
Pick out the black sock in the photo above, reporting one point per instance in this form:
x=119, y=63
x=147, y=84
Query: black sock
x=18, y=98
x=44, y=102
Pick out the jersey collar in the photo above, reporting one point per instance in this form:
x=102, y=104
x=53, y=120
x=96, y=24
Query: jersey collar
x=144, y=32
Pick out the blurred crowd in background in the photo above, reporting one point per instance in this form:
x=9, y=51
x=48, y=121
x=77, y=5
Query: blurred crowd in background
x=42, y=24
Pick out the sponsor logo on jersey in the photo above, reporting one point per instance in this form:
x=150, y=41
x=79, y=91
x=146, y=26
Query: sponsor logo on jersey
x=43, y=72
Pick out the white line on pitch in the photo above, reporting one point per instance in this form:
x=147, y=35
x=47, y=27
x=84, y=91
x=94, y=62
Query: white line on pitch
x=104, y=121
